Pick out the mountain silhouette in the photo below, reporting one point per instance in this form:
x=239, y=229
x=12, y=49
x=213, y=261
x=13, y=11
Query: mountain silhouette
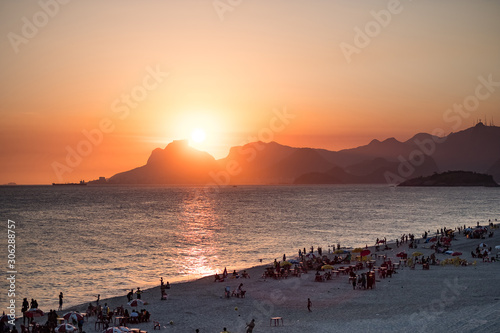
x=178, y=163
x=475, y=149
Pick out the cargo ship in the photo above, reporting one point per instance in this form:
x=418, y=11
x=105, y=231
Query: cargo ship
x=82, y=182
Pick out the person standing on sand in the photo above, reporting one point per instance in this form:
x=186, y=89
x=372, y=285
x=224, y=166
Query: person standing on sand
x=250, y=326
x=130, y=295
x=24, y=309
x=225, y=330
x=98, y=298
x=309, y=304
x=60, y=301
x=138, y=292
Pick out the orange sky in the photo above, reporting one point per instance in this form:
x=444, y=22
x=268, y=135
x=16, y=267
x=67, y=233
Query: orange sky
x=68, y=66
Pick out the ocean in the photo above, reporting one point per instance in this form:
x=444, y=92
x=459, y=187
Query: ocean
x=89, y=240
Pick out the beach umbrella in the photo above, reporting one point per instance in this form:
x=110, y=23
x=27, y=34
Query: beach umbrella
x=497, y=247
x=401, y=254
x=73, y=315
x=364, y=253
x=358, y=249
x=417, y=254
x=124, y=329
x=483, y=245
x=65, y=328
x=136, y=302
x=285, y=263
x=456, y=254
x=338, y=251
x=327, y=267
x=33, y=313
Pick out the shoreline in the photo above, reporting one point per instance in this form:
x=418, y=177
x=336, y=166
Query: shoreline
x=442, y=298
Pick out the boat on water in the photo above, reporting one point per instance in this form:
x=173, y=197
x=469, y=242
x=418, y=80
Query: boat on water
x=82, y=182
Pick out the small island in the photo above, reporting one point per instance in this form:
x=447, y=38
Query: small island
x=453, y=178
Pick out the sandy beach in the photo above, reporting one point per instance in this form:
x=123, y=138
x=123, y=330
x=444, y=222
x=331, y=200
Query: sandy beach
x=443, y=298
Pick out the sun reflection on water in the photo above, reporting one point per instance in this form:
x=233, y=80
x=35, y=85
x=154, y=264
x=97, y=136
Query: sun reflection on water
x=200, y=223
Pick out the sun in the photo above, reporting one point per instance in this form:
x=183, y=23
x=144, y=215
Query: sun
x=198, y=135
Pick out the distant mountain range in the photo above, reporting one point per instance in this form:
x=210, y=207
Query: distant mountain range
x=475, y=149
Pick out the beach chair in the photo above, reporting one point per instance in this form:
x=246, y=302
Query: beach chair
x=99, y=324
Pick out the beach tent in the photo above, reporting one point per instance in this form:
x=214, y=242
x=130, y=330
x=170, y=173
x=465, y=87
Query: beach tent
x=293, y=261
x=285, y=263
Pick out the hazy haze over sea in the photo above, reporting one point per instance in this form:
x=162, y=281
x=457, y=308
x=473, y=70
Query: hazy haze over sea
x=85, y=240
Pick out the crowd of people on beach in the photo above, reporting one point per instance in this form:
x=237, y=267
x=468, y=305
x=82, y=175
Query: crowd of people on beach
x=314, y=260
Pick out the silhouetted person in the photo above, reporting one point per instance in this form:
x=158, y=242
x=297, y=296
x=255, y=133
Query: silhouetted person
x=24, y=308
x=250, y=326
x=60, y=300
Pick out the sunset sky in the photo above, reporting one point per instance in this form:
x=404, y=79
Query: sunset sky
x=135, y=75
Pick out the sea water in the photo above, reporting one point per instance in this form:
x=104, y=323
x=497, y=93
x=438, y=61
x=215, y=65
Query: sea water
x=89, y=240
